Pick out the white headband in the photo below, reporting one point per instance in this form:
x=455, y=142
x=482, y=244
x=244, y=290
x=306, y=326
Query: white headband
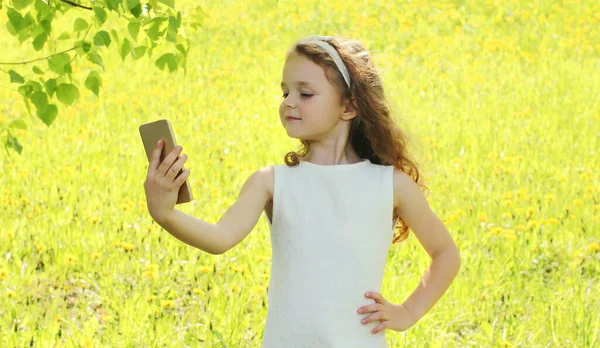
x=321, y=41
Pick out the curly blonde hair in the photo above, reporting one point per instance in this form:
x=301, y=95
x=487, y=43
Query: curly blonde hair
x=374, y=135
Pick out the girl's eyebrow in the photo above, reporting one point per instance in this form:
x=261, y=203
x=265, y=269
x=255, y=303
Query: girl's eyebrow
x=298, y=83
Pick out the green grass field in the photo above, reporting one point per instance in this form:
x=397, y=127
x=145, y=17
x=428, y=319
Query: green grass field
x=501, y=99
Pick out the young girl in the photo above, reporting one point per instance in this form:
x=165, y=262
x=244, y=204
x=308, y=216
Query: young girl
x=332, y=209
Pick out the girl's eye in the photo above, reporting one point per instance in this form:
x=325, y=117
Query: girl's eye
x=302, y=94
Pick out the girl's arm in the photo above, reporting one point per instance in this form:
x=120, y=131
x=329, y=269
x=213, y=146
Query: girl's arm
x=414, y=210
x=237, y=222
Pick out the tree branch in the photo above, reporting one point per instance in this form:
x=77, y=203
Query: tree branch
x=75, y=4
x=35, y=60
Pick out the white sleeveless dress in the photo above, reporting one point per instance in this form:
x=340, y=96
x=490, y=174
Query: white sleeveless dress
x=330, y=236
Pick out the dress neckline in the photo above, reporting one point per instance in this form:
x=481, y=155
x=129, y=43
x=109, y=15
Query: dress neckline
x=333, y=166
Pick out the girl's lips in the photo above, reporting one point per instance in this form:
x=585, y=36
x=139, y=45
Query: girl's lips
x=292, y=119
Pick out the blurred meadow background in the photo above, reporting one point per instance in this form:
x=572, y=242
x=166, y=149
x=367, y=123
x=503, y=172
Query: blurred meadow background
x=501, y=98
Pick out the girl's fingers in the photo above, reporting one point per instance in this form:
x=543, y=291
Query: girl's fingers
x=175, y=168
x=182, y=178
x=168, y=162
x=155, y=157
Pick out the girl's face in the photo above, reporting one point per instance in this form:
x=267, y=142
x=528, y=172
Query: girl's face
x=308, y=95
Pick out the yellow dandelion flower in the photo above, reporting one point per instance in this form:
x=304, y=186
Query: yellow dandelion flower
x=151, y=298
x=206, y=269
x=198, y=291
x=260, y=289
x=40, y=247
x=549, y=197
x=150, y=274
x=593, y=247
x=87, y=342
x=71, y=259
x=235, y=288
x=578, y=203
x=10, y=293
x=563, y=178
x=96, y=255
x=482, y=217
x=167, y=303
x=495, y=230
x=127, y=246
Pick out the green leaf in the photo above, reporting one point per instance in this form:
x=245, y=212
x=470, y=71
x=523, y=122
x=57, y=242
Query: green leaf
x=67, y=93
x=86, y=46
x=39, y=41
x=64, y=36
x=114, y=35
x=132, y=3
x=21, y=4
x=172, y=28
x=170, y=3
x=169, y=60
x=15, y=77
x=197, y=17
x=50, y=86
x=15, y=19
x=113, y=5
x=48, y=114
x=14, y=143
x=37, y=70
x=95, y=58
x=138, y=52
x=93, y=82
x=102, y=38
x=58, y=63
x=133, y=27
x=100, y=15
x=18, y=124
x=46, y=25
x=39, y=99
x=25, y=90
x=136, y=11
x=125, y=49
x=153, y=27
x=36, y=86
x=80, y=24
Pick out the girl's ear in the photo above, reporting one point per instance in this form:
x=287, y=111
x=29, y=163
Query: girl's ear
x=350, y=110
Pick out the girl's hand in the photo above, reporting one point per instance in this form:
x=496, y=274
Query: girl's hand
x=394, y=317
x=161, y=186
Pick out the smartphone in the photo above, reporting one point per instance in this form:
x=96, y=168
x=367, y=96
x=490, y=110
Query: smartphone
x=151, y=133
